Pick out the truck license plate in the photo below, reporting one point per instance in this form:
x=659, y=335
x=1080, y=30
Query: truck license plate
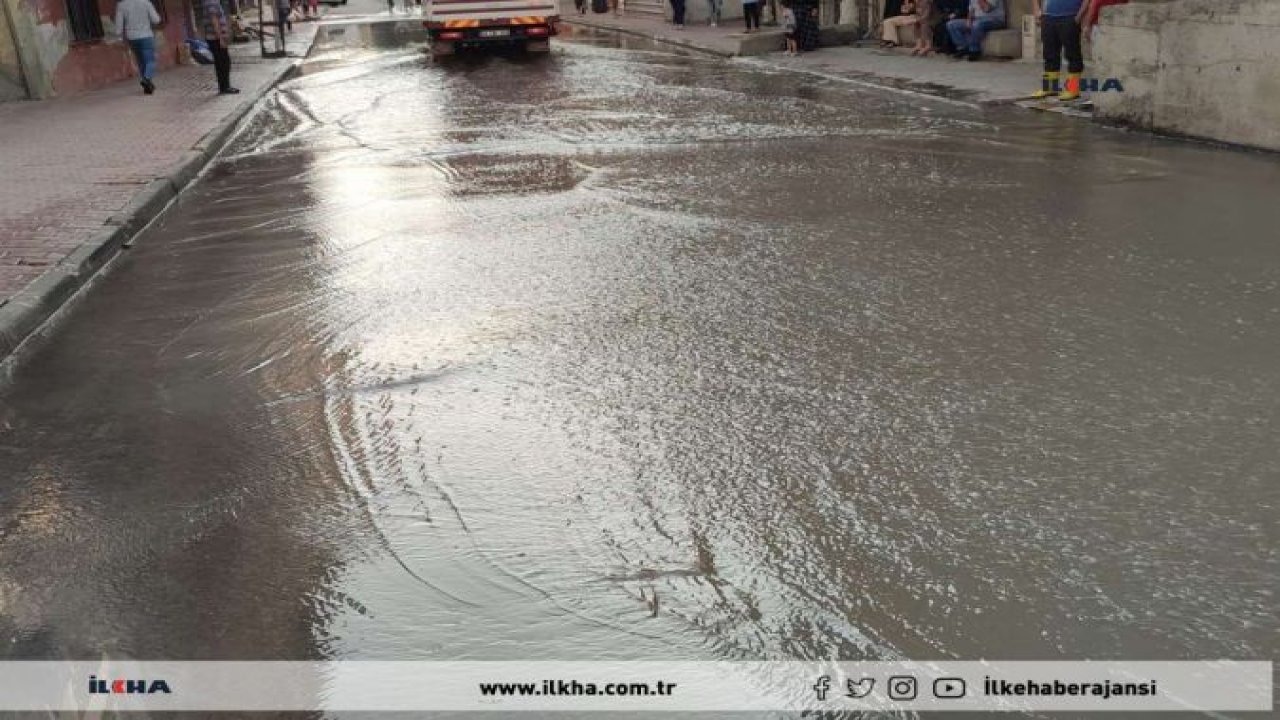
x=495, y=33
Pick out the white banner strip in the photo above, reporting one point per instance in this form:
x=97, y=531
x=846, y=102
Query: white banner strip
x=635, y=686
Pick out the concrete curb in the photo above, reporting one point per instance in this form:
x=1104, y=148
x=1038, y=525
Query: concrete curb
x=762, y=43
x=678, y=42
x=27, y=312
x=145, y=205
x=943, y=92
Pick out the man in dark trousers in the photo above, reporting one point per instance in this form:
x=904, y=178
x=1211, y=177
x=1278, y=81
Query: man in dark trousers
x=984, y=16
x=806, y=12
x=1060, y=22
x=946, y=11
x=217, y=32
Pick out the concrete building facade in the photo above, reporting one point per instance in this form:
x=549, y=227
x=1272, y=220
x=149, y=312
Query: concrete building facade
x=1201, y=68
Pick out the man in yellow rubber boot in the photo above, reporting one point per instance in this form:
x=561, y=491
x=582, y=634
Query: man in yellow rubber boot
x=1060, y=22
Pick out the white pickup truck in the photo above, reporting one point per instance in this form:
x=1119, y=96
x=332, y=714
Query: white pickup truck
x=453, y=25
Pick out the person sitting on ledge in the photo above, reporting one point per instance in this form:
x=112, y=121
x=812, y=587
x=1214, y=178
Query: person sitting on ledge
x=889, y=37
x=945, y=11
x=967, y=34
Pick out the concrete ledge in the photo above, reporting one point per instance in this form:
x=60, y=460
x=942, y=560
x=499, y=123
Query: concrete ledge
x=838, y=35
x=1006, y=43
x=762, y=43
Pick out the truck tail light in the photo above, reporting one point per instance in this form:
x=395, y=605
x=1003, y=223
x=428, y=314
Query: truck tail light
x=450, y=35
x=538, y=31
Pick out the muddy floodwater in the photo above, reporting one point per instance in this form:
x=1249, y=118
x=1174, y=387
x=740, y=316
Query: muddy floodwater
x=623, y=353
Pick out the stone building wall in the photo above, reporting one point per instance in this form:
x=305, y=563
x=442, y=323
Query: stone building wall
x=1202, y=68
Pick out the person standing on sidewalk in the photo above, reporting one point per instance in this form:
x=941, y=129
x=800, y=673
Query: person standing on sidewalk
x=789, y=26
x=806, y=12
x=713, y=7
x=134, y=19
x=284, y=16
x=751, y=13
x=677, y=13
x=1060, y=22
x=217, y=32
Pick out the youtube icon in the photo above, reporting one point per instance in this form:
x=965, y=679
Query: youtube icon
x=947, y=688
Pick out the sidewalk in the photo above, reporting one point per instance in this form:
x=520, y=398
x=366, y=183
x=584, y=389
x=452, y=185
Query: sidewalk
x=724, y=41
x=86, y=172
x=986, y=82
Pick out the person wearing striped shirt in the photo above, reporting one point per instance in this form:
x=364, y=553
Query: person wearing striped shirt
x=217, y=32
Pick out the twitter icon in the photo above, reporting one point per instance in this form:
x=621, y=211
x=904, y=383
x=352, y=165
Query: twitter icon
x=860, y=688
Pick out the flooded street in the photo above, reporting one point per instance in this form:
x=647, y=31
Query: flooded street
x=624, y=353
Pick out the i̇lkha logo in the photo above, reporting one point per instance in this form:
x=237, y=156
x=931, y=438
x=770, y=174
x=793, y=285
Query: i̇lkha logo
x=1077, y=85
x=121, y=686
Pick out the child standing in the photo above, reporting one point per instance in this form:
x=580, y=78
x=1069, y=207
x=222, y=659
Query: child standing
x=789, y=26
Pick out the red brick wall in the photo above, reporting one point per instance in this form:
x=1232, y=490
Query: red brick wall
x=102, y=62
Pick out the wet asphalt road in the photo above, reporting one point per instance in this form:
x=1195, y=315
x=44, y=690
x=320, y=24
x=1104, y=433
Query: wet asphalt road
x=624, y=353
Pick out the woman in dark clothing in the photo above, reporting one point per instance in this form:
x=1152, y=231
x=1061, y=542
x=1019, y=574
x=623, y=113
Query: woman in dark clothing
x=751, y=13
x=806, y=24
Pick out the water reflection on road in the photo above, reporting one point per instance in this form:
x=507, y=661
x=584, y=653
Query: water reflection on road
x=623, y=353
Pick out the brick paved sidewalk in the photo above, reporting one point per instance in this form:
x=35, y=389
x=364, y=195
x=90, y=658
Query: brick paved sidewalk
x=70, y=164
